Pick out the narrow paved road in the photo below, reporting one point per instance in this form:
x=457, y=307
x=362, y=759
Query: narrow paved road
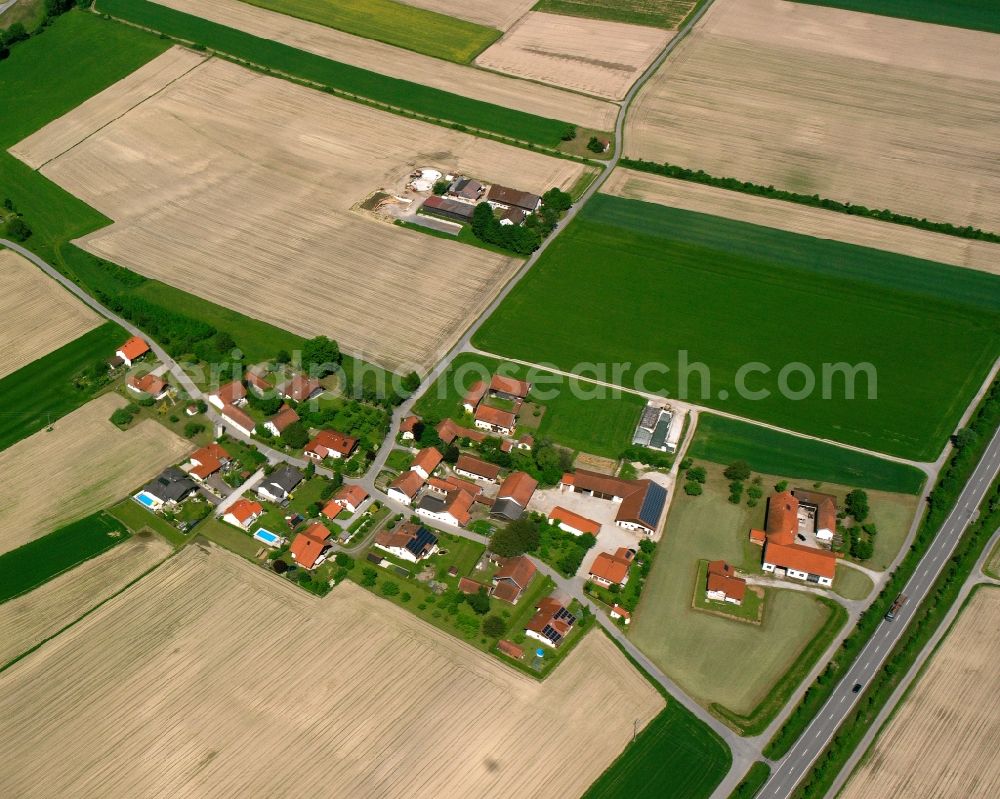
x=795, y=765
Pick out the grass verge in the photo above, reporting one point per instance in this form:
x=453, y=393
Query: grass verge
x=754, y=780
x=38, y=561
x=947, y=490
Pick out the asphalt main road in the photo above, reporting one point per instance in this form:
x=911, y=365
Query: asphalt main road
x=795, y=765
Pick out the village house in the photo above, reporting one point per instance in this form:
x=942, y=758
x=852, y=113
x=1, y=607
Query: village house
x=131, y=351
x=526, y=442
x=502, y=198
x=467, y=586
x=608, y=569
x=330, y=444
x=206, y=461
x=573, y=522
x=513, y=497
x=408, y=428
x=171, y=487
x=474, y=396
x=782, y=554
x=618, y=612
x=495, y=420
x=722, y=584
x=508, y=388
x=256, y=381
x=467, y=190
x=448, y=431
x=476, y=469
x=309, y=549
x=147, y=384
x=408, y=541
x=278, y=485
x=426, y=461
x=453, y=508
x=348, y=497
x=405, y=488
x=551, y=622
x=641, y=501
x=278, y=423
x=300, y=388
x=239, y=419
x=817, y=513
x=233, y=393
x=243, y=513
x=510, y=649
x=444, y=485
x=512, y=578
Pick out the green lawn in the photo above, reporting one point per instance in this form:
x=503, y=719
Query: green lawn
x=667, y=14
x=411, y=97
x=752, y=782
x=674, y=635
x=676, y=756
x=136, y=518
x=631, y=284
x=980, y=15
x=723, y=440
x=40, y=560
x=225, y=535
x=992, y=565
x=575, y=416
x=401, y=25
x=399, y=459
x=852, y=584
x=43, y=390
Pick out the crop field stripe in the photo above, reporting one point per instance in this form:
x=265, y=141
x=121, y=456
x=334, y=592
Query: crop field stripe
x=979, y=15
x=662, y=281
x=723, y=440
x=43, y=391
x=412, y=97
x=670, y=15
x=418, y=29
x=38, y=561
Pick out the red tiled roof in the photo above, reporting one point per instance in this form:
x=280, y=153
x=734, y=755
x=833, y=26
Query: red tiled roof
x=506, y=445
x=244, y=509
x=308, y=546
x=519, y=486
x=782, y=518
x=299, y=388
x=409, y=424
x=467, y=586
x=721, y=568
x=353, y=494
x=511, y=649
x=327, y=441
x=547, y=609
x=133, y=348
x=149, y=384
x=600, y=483
x=506, y=591
x=613, y=568
x=448, y=431
x=231, y=392
x=758, y=536
x=495, y=416
x=459, y=503
x=209, y=460
x=427, y=459
x=238, y=416
x=487, y=471
x=800, y=558
x=826, y=507
x=518, y=570
x=730, y=586
x=409, y=483
x=621, y=611
x=475, y=394
x=257, y=380
x=574, y=520
x=284, y=417
x=509, y=385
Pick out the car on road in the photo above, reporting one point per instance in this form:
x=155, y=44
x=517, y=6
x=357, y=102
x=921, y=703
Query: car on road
x=891, y=613
x=856, y=688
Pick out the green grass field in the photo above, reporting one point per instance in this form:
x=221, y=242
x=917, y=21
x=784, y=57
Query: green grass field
x=674, y=635
x=412, y=97
x=394, y=23
x=852, y=584
x=636, y=284
x=675, y=757
x=723, y=440
x=980, y=15
x=44, y=390
x=600, y=426
x=225, y=535
x=38, y=561
x=137, y=519
x=752, y=782
x=667, y=14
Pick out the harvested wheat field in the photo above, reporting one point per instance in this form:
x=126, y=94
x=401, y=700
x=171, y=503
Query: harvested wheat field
x=399, y=63
x=39, y=314
x=242, y=684
x=28, y=620
x=40, y=148
x=860, y=108
x=817, y=222
x=238, y=187
x=587, y=55
x=85, y=463
x=484, y=12
x=943, y=740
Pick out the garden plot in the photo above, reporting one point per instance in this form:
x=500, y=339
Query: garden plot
x=238, y=188
x=82, y=465
x=881, y=112
x=587, y=55
x=237, y=678
x=38, y=314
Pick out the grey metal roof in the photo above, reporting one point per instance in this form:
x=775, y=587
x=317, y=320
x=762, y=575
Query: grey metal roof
x=286, y=478
x=172, y=485
x=508, y=509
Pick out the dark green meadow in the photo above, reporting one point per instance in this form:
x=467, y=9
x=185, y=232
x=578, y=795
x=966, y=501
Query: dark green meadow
x=980, y=15
x=636, y=282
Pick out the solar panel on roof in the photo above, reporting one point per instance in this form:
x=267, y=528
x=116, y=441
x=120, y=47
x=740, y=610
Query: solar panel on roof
x=652, y=504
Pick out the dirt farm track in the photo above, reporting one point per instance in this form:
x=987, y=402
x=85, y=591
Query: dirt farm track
x=861, y=108
x=239, y=187
x=213, y=678
x=942, y=742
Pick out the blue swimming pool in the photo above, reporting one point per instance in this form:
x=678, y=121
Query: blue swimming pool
x=267, y=537
x=145, y=499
